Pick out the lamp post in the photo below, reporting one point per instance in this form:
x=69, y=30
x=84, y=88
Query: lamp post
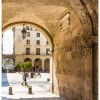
x=23, y=32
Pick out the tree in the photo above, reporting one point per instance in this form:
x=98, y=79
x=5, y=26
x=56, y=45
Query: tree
x=18, y=67
x=24, y=65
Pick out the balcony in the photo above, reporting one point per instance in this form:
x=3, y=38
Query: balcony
x=33, y=53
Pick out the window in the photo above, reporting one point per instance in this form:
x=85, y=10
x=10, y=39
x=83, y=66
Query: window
x=28, y=34
x=38, y=34
x=47, y=42
x=38, y=42
x=47, y=51
x=27, y=51
x=27, y=41
x=37, y=51
x=27, y=27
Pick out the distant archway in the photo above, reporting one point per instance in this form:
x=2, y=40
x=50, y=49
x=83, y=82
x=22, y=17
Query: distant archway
x=47, y=65
x=27, y=59
x=38, y=64
x=8, y=64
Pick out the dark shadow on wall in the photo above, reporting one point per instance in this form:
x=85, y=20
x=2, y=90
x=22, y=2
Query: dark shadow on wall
x=4, y=80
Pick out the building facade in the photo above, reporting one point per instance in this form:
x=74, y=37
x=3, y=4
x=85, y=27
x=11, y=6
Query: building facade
x=34, y=48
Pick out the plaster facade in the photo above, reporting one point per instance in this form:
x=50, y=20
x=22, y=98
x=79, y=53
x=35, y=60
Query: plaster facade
x=30, y=42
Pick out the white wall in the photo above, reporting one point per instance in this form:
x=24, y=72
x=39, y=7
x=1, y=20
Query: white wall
x=20, y=43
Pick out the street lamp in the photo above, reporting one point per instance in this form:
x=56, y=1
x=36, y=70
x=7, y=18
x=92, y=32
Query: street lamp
x=23, y=32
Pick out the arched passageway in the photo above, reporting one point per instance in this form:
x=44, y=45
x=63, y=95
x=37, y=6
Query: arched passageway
x=27, y=59
x=38, y=64
x=72, y=26
x=47, y=65
x=8, y=64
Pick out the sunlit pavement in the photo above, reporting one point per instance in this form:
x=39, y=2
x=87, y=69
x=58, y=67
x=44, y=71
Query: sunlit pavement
x=40, y=87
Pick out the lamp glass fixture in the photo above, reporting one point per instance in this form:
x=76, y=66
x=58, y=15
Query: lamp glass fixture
x=23, y=32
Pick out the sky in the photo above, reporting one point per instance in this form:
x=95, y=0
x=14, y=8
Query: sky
x=8, y=42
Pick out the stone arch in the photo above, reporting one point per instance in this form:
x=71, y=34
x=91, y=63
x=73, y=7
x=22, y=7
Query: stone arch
x=73, y=63
x=9, y=58
x=8, y=65
x=44, y=31
x=37, y=64
x=47, y=64
x=27, y=59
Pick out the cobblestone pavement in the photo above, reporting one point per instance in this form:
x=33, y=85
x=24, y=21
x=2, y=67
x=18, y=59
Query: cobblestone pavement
x=40, y=88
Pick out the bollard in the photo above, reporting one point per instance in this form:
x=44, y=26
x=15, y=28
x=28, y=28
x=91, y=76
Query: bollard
x=31, y=75
x=48, y=79
x=30, y=89
x=10, y=90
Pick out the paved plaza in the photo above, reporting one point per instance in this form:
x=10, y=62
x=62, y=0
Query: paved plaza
x=40, y=87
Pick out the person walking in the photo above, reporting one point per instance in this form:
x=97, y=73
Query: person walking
x=24, y=79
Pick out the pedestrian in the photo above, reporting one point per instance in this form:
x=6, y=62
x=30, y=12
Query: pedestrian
x=33, y=68
x=39, y=74
x=24, y=79
x=40, y=69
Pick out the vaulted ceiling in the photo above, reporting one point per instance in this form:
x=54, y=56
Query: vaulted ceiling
x=45, y=12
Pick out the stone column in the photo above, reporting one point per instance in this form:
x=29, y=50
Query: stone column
x=10, y=91
x=13, y=64
x=43, y=64
x=33, y=62
x=51, y=73
x=1, y=45
x=30, y=90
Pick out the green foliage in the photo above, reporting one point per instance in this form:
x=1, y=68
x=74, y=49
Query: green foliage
x=7, y=61
x=17, y=67
x=24, y=65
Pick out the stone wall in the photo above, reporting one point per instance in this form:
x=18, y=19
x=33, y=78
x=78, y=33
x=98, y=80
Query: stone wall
x=95, y=70
x=73, y=59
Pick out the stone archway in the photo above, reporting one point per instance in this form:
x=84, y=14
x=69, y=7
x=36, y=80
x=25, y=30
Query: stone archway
x=27, y=59
x=8, y=64
x=72, y=41
x=43, y=30
x=47, y=65
x=38, y=64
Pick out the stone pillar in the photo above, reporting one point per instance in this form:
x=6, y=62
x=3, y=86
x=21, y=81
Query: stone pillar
x=33, y=62
x=10, y=91
x=30, y=90
x=13, y=62
x=1, y=49
x=51, y=73
x=43, y=64
x=2, y=42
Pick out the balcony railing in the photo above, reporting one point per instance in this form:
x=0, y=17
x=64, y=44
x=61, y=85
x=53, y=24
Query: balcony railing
x=24, y=53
